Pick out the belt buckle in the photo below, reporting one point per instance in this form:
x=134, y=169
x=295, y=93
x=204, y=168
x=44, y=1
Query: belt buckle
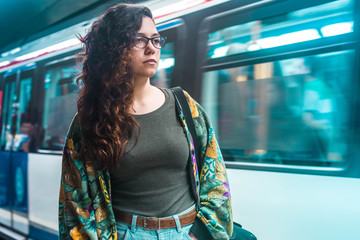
x=151, y=218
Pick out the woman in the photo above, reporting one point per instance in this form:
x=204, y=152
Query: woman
x=127, y=133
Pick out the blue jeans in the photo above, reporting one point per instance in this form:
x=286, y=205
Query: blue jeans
x=133, y=232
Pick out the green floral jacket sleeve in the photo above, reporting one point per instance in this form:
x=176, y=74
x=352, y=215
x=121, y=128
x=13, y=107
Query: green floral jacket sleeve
x=214, y=208
x=85, y=210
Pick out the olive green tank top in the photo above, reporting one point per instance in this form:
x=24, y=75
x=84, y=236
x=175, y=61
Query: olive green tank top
x=153, y=179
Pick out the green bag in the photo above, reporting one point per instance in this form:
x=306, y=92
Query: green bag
x=241, y=234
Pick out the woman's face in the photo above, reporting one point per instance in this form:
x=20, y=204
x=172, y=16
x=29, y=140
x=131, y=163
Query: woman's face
x=146, y=60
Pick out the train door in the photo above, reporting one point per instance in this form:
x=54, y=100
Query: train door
x=5, y=193
x=16, y=137
x=57, y=103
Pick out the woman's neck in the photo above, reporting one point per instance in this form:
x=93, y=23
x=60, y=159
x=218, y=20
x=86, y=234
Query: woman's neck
x=147, y=98
x=142, y=89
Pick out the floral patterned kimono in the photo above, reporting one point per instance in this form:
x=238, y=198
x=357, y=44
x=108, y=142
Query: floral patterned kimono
x=85, y=209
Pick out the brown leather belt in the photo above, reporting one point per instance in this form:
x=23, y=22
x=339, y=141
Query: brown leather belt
x=156, y=223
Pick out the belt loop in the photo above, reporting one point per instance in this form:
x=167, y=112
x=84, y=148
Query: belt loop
x=133, y=223
x=177, y=221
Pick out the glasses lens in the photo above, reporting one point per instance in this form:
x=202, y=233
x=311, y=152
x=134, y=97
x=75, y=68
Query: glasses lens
x=159, y=42
x=140, y=42
x=162, y=42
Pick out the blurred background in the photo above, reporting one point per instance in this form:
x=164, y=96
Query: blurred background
x=279, y=80
x=21, y=19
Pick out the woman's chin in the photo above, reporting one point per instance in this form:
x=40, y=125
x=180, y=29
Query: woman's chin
x=146, y=74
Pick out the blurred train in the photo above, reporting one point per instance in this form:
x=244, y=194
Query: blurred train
x=279, y=80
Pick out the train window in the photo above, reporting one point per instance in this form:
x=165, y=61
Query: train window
x=59, y=105
x=9, y=99
x=16, y=116
x=163, y=75
x=317, y=22
x=168, y=72
x=293, y=111
x=24, y=127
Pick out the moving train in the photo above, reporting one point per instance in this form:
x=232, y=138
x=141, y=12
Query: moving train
x=279, y=79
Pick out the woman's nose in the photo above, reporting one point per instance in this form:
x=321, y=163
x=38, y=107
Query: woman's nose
x=150, y=49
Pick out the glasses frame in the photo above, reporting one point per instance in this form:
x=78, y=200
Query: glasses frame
x=152, y=41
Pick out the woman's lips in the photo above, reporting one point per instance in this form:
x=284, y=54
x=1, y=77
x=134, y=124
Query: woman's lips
x=150, y=61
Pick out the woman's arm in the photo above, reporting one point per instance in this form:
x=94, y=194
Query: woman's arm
x=75, y=219
x=215, y=206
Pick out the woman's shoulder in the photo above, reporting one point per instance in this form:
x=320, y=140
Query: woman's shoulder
x=75, y=122
x=194, y=106
x=196, y=110
x=74, y=131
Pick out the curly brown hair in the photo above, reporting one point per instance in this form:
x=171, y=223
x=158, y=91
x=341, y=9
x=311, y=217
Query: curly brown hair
x=107, y=90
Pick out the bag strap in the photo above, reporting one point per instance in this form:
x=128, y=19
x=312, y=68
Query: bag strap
x=183, y=106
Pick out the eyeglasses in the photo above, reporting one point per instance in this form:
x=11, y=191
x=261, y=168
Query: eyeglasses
x=142, y=41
